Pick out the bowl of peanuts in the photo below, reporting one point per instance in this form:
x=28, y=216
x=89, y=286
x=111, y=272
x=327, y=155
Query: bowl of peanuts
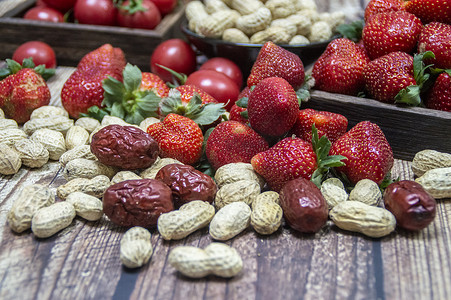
x=238, y=29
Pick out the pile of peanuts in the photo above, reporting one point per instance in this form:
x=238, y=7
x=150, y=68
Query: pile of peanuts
x=241, y=200
x=292, y=22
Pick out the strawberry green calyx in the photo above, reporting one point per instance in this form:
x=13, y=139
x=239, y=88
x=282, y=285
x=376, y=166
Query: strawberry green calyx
x=352, y=31
x=12, y=67
x=411, y=94
x=321, y=146
x=202, y=114
x=133, y=6
x=180, y=77
x=126, y=100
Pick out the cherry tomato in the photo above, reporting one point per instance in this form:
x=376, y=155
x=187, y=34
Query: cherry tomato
x=61, y=5
x=175, y=54
x=217, y=84
x=147, y=19
x=226, y=66
x=41, y=53
x=165, y=6
x=46, y=14
x=95, y=12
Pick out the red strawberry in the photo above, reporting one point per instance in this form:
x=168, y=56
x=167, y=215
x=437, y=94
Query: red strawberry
x=238, y=113
x=396, y=77
x=440, y=95
x=430, y=10
x=436, y=37
x=178, y=137
x=379, y=6
x=288, y=159
x=232, y=142
x=368, y=153
x=153, y=82
x=330, y=124
x=272, y=107
x=187, y=91
x=390, y=32
x=275, y=61
x=84, y=89
x=340, y=68
x=293, y=157
x=23, y=92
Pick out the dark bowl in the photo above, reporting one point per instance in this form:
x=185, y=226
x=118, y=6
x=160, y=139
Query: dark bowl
x=245, y=54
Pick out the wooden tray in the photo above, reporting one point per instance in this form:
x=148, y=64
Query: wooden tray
x=72, y=41
x=408, y=129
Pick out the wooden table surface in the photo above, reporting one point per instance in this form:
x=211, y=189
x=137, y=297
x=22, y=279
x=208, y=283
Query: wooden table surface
x=82, y=261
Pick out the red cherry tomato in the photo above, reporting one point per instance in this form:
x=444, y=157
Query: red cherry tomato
x=165, y=6
x=147, y=19
x=61, y=5
x=175, y=54
x=46, y=14
x=95, y=12
x=41, y=53
x=226, y=66
x=218, y=85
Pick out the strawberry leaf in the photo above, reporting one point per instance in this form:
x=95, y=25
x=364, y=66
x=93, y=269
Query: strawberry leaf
x=132, y=77
x=352, y=31
x=180, y=77
x=202, y=114
x=126, y=100
x=321, y=146
x=409, y=95
x=12, y=67
x=96, y=113
x=242, y=102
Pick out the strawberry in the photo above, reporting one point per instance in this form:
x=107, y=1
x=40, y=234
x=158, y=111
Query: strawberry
x=275, y=61
x=391, y=31
x=272, y=107
x=379, y=6
x=340, y=68
x=134, y=99
x=368, y=153
x=153, y=82
x=187, y=91
x=436, y=37
x=23, y=92
x=192, y=102
x=330, y=124
x=430, y=10
x=292, y=158
x=178, y=137
x=238, y=113
x=396, y=77
x=439, y=97
x=83, y=88
x=232, y=142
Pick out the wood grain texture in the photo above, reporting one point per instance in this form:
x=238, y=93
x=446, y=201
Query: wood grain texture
x=82, y=261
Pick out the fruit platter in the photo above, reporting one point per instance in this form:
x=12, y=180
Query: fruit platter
x=187, y=178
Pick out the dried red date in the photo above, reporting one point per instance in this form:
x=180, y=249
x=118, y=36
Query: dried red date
x=187, y=183
x=137, y=202
x=412, y=206
x=304, y=207
x=125, y=147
